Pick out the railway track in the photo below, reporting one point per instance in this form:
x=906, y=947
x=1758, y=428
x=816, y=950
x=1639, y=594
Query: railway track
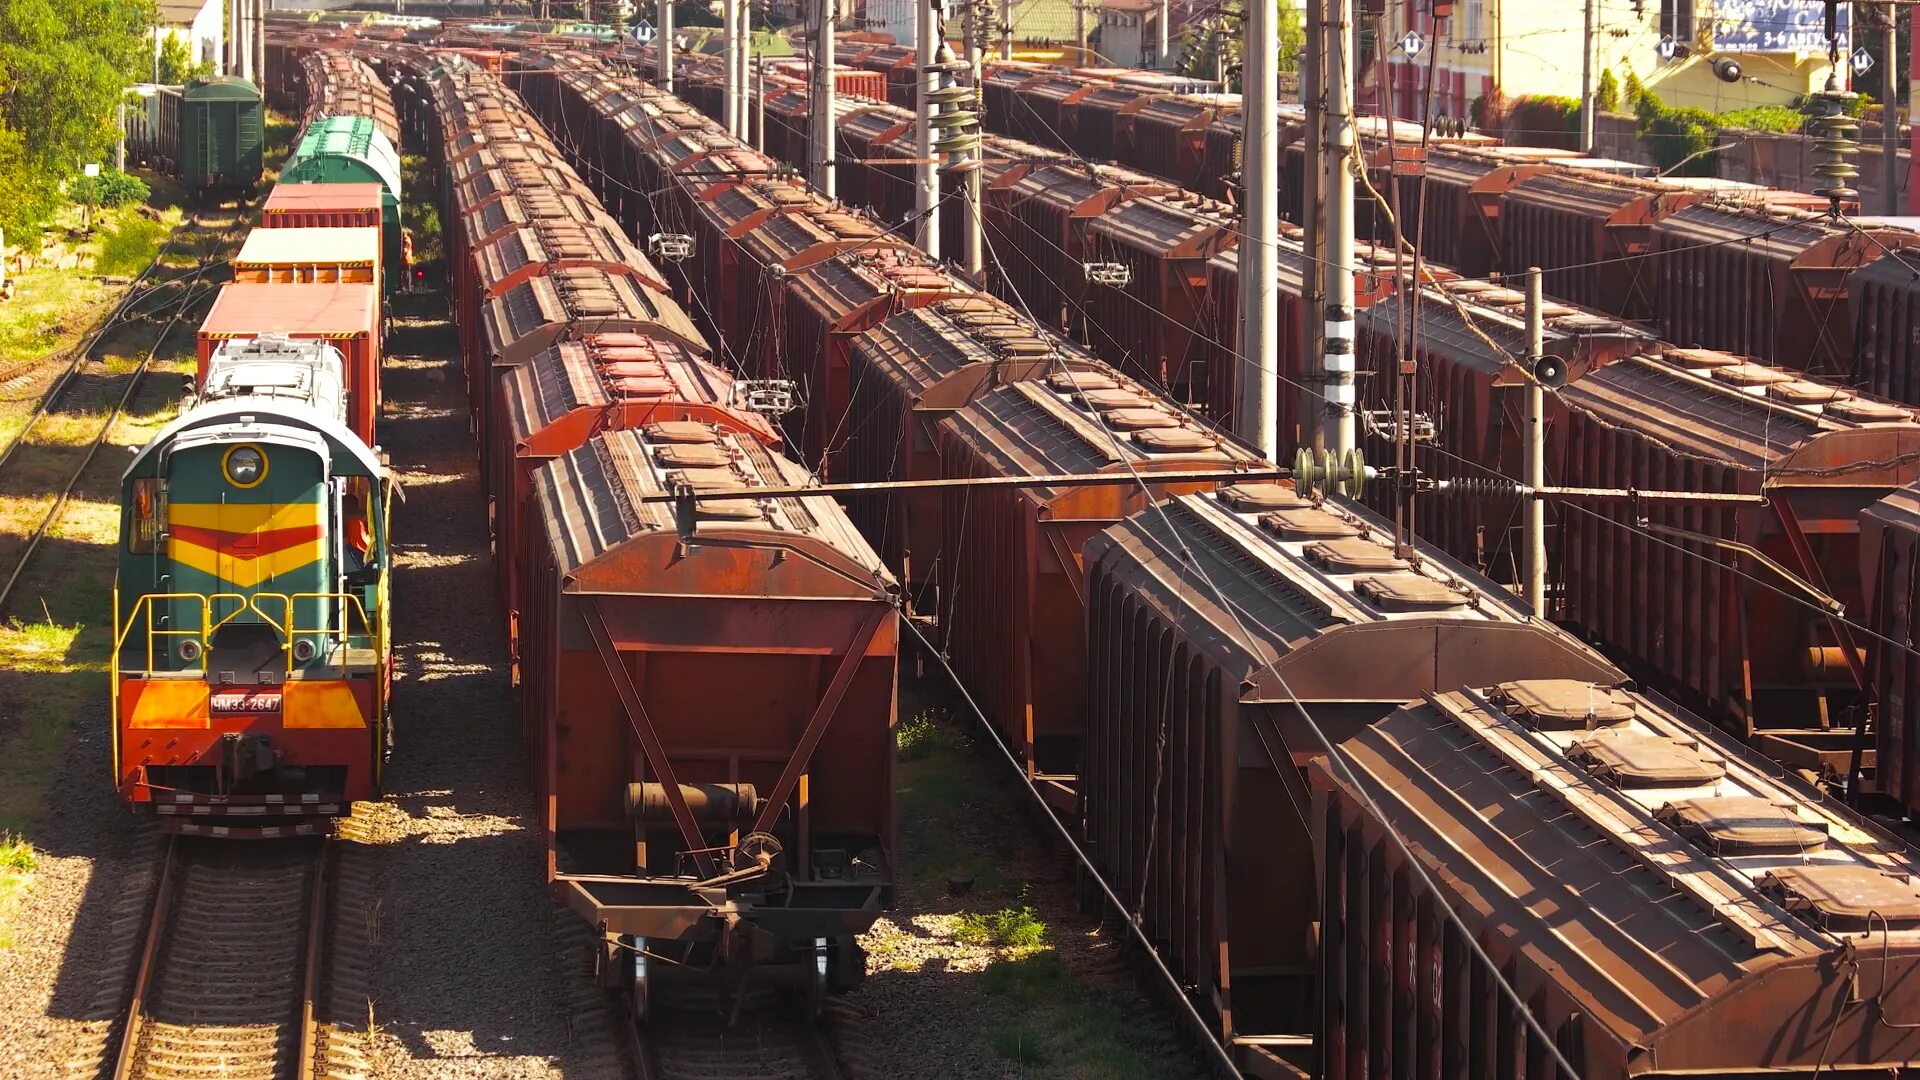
x=252, y=965
x=83, y=389
x=765, y=1041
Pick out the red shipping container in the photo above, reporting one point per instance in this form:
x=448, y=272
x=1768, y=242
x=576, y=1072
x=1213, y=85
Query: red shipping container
x=321, y=206
x=346, y=314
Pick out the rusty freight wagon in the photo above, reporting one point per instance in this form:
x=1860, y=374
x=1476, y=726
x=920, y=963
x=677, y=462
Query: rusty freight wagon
x=1012, y=610
x=904, y=373
x=344, y=314
x=1220, y=159
x=1884, y=305
x=1144, y=318
x=1890, y=583
x=560, y=398
x=1763, y=281
x=1229, y=636
x=1039, y=221
x=1746, y=643
x=1101, y=123
x=1168, y=137
x=1664, y=905
x=712, y=687
x=519, y=322
x=824, y=307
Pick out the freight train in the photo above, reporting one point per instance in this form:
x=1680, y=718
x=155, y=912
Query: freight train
x=707, y=688
x=209, y=134
x=253, y=662
x=1190, y=668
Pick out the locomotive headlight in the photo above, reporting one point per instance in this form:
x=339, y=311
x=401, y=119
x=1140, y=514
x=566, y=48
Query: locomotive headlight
x=189, y=650
x=245, y=466
x=303, y=651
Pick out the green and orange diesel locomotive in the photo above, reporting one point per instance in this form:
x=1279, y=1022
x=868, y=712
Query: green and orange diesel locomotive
x=252, y=659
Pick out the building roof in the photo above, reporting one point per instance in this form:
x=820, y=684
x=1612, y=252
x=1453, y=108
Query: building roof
x=334, y=310
x=310, y=247
x=179, y=12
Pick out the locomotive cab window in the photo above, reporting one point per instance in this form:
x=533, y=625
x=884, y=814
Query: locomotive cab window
x=147, y=516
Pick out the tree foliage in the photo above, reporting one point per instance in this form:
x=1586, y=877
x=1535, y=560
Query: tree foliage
x=1210, y=47
x=63, y=66
x=177, y=67
x=1607, y=97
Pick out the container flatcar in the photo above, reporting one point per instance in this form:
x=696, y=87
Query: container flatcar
x=344, y=314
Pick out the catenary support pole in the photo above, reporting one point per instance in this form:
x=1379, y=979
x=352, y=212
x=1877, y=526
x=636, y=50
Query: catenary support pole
x=1337, y=357
x=973, y=255
x=926, y=180
x=1587, y=104
x=1534, y=458
x=1890, y=126
x=1260, y=231
x=825, y=179
x=663, y=45
x=1006, y=29
x=1314, y=100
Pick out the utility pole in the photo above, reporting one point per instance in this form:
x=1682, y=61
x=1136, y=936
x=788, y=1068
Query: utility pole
x=926, y=181
x=972, y=256
x=759, y=83
x=1260, y=229
x=663, y=45
x=1080, y=32
x=1534, y=555
x=730, y=87
x=1160, y=45
x=260, y=42
x=1006, y=29
x=1337, y=268
x=744, y=58
x=1313, y=97
x=120, y=140
x=1586, y=82
x=1890, y=115
x=825, y=179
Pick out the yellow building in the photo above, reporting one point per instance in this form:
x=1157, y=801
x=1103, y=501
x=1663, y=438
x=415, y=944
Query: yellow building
x=1532, y=47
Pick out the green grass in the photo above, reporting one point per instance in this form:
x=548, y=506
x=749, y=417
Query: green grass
x=17, y=863
x=1017, y=1043
x=126, y=249
x=1007, y=928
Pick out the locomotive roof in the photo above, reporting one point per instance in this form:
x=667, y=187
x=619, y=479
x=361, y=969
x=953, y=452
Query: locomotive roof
x=1687, y=903
x=1327, y=605
x=593, y=503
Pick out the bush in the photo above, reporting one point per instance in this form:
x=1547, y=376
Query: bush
x=1008, y=928
x=1633, y=91
x=1776, y=118
x=1677, y=139
x=1607, y=97
x=1546, y=121
x=111, y=188
x=127, y=249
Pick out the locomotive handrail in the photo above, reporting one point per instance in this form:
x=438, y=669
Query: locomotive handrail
x=286, y=626
x=145, y=602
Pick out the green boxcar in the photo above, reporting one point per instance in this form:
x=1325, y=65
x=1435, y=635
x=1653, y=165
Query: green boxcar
x=352, y=150
x=220, y=133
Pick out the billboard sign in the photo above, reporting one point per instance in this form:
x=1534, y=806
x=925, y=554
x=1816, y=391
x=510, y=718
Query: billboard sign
x=1780, y=26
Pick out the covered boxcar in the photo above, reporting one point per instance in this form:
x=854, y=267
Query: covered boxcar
x=1884, y=306
x=1231, y=636
x=1146, y=321
x=209, y=133
x=1662, y=904
x=1890, y=583
x=712, y=692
